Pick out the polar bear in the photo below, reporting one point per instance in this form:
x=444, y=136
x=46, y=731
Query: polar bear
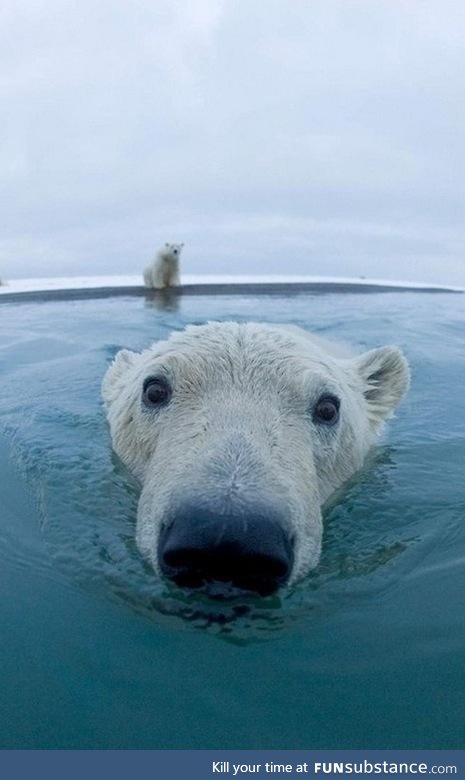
x=164, y=270
x=238, y=434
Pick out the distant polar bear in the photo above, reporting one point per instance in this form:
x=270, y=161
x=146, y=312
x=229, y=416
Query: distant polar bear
x=163, y=272
x=238, y=434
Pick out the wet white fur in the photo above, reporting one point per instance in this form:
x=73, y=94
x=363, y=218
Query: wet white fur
x=239, y=423
x=164, y=270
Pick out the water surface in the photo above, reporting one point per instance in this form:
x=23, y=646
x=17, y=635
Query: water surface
x=368, y=652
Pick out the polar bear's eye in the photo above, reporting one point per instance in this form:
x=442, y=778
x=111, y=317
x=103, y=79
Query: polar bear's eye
x=156, y=392
x=326, y=410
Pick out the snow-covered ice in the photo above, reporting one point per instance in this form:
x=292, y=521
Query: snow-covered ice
x=92, y=282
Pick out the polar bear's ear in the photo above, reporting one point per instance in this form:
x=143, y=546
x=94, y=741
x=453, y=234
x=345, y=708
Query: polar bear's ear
x=111, y=384
x=386, y=377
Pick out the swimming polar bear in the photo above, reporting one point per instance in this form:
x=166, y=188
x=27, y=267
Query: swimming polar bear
x=238, y=434
x=163, y=272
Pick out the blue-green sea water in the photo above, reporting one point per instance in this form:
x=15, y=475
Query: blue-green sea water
x=367, y=652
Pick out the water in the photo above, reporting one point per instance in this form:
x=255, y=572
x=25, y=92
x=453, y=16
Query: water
x=368, y=652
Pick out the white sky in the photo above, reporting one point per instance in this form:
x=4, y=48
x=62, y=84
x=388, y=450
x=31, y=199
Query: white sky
x=281, y=136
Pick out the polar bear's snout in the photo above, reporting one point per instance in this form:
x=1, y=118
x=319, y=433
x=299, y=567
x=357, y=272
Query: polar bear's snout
x=250, y=549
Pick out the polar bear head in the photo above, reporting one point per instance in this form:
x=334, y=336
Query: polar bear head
x=238, y=434
x=171, y=251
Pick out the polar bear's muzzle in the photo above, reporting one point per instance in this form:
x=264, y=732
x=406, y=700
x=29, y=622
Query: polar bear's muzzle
x=250, y=550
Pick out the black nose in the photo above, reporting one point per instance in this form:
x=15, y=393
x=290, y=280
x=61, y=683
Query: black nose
x=251, y=551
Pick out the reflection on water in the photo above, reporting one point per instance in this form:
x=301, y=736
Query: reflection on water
x=163, y=300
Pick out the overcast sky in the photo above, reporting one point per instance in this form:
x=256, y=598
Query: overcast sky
x=306, y=136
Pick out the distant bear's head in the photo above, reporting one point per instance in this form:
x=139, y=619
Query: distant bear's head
x=171, y=251
x=238, y=434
